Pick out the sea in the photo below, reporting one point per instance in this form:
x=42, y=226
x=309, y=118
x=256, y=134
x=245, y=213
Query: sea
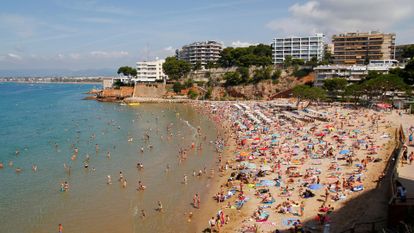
x=42, y=124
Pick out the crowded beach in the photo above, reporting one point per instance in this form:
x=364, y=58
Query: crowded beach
x=289, y=169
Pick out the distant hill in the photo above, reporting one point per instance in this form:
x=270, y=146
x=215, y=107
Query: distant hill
x=56, y=72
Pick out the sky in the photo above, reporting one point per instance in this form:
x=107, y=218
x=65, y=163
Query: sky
x=97, y=34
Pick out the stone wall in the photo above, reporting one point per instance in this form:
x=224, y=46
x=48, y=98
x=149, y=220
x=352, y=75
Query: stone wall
x=155, y=90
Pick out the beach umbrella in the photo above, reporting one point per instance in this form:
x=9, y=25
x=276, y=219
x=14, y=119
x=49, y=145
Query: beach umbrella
x=315, y=186
x=343, y=152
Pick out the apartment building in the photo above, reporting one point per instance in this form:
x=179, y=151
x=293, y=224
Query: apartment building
x=361, y=47
x=298, y=47
x=202, y=52
x=352, y=73
x=150, y=71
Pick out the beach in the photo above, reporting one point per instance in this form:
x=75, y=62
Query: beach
x=282, y=171
x=250, y=166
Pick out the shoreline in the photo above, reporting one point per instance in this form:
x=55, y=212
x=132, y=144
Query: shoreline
x=23, y=82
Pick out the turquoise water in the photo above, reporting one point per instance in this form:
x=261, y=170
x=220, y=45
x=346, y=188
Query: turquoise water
x=35, y=118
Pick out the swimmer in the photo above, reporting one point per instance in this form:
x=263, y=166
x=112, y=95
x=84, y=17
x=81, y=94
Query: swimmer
x=108, y=179
x=66, y=186
x=159, y=207
x=141, y=187
x=167, y=169
x=108, y=154
x=121, y=176
x=143, y=214
x=185, y=179
x=34, y=167
x=124, y=184
x=10, y=163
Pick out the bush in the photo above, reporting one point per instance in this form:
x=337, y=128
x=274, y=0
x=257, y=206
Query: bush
x=177, y=87
x=301, y=73
x=276, y=75
x=192, y=94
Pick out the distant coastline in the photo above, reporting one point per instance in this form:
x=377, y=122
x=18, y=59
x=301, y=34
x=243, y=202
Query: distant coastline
x=50, y=82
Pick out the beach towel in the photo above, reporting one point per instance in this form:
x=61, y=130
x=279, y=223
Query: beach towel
x=266, y=183
x=269, y=202
x=290, y=222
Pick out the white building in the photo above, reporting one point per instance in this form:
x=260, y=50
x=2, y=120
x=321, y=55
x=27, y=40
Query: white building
x=352, y=73
x=150, y=71
x=202, y=52
x=298, y=47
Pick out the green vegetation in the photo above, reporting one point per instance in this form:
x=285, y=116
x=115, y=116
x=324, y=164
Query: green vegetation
x=300, y=73
x=177, y=87
x=176, y=69
x=192, y=94
x=232, y=78
x=408, y=52
x=127, y=71
x=311, y=94
x=259, y=55
x=334, y=86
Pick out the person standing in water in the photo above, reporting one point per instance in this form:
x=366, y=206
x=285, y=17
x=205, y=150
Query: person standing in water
x=160, y=207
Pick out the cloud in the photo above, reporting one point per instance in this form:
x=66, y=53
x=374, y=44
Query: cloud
x=241, y=44
x=169, y=49
x=75, y=56
x=331, y=16
x=14, y=56
x=112, y=54
x=96, y=20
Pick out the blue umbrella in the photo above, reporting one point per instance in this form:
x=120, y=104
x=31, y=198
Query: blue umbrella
x=315, y=186
x=343, y=152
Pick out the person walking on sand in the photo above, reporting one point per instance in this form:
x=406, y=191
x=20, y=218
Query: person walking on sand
x=60, y=228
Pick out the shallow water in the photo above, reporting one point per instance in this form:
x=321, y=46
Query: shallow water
x=33, y=118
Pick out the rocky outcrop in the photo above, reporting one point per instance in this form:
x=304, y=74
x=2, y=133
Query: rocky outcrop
x=263, y=90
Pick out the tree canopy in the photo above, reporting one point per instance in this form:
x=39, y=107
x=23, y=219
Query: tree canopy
x=127, y=71
x=257, y=55
x=176, y=69
x=334, y=85
x=305, y=92
x=408, y=52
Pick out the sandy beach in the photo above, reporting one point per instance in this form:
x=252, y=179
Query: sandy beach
x=284, y=171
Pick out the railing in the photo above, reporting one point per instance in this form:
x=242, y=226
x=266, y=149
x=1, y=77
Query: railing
x=400, y=139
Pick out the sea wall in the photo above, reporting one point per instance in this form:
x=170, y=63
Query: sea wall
x=155, y=90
